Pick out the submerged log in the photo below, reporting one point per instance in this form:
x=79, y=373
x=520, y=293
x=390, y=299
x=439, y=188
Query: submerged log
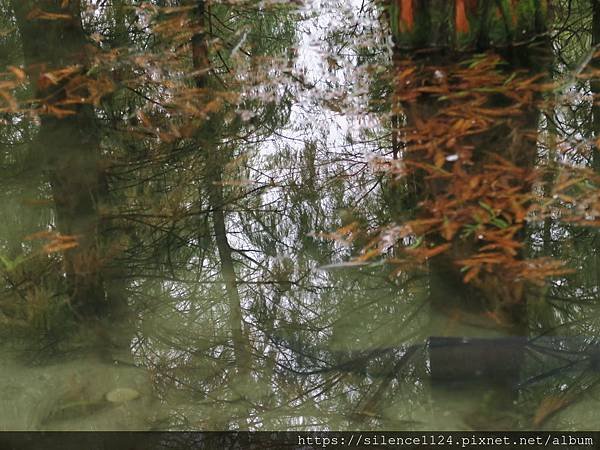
x=499, y=360
x=457, y=359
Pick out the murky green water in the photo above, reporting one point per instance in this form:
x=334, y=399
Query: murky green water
x=218, y=298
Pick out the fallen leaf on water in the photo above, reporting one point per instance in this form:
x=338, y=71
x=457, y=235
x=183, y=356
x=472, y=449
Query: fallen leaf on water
x=549, y=406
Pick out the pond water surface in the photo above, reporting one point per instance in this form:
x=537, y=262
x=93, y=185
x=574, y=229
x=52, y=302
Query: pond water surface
x=268, y=321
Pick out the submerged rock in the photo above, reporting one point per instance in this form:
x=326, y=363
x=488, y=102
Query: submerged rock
x=122, y=395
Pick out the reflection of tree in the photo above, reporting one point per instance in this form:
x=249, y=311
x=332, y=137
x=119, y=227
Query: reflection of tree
x=69, y=139
x=469, y=160
x=441, y=134
x=216, y=201
x=216, y=148
x=470, y=157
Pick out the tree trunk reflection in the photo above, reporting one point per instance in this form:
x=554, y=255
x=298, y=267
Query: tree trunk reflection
x=68, y=140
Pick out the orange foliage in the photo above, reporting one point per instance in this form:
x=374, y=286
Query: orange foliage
x=407, y=18
x=56, y=242
x=470, y=145
x=38, y=14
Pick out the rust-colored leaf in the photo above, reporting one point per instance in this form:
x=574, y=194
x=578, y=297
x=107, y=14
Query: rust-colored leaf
x=58, y=112
x=449, y=229
x=548, y=406
x=431, y=252
x=18, y=72
x=60, y=244
x=471, y=273
x=439, y=159
x=369, y=254
x=38, y=14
